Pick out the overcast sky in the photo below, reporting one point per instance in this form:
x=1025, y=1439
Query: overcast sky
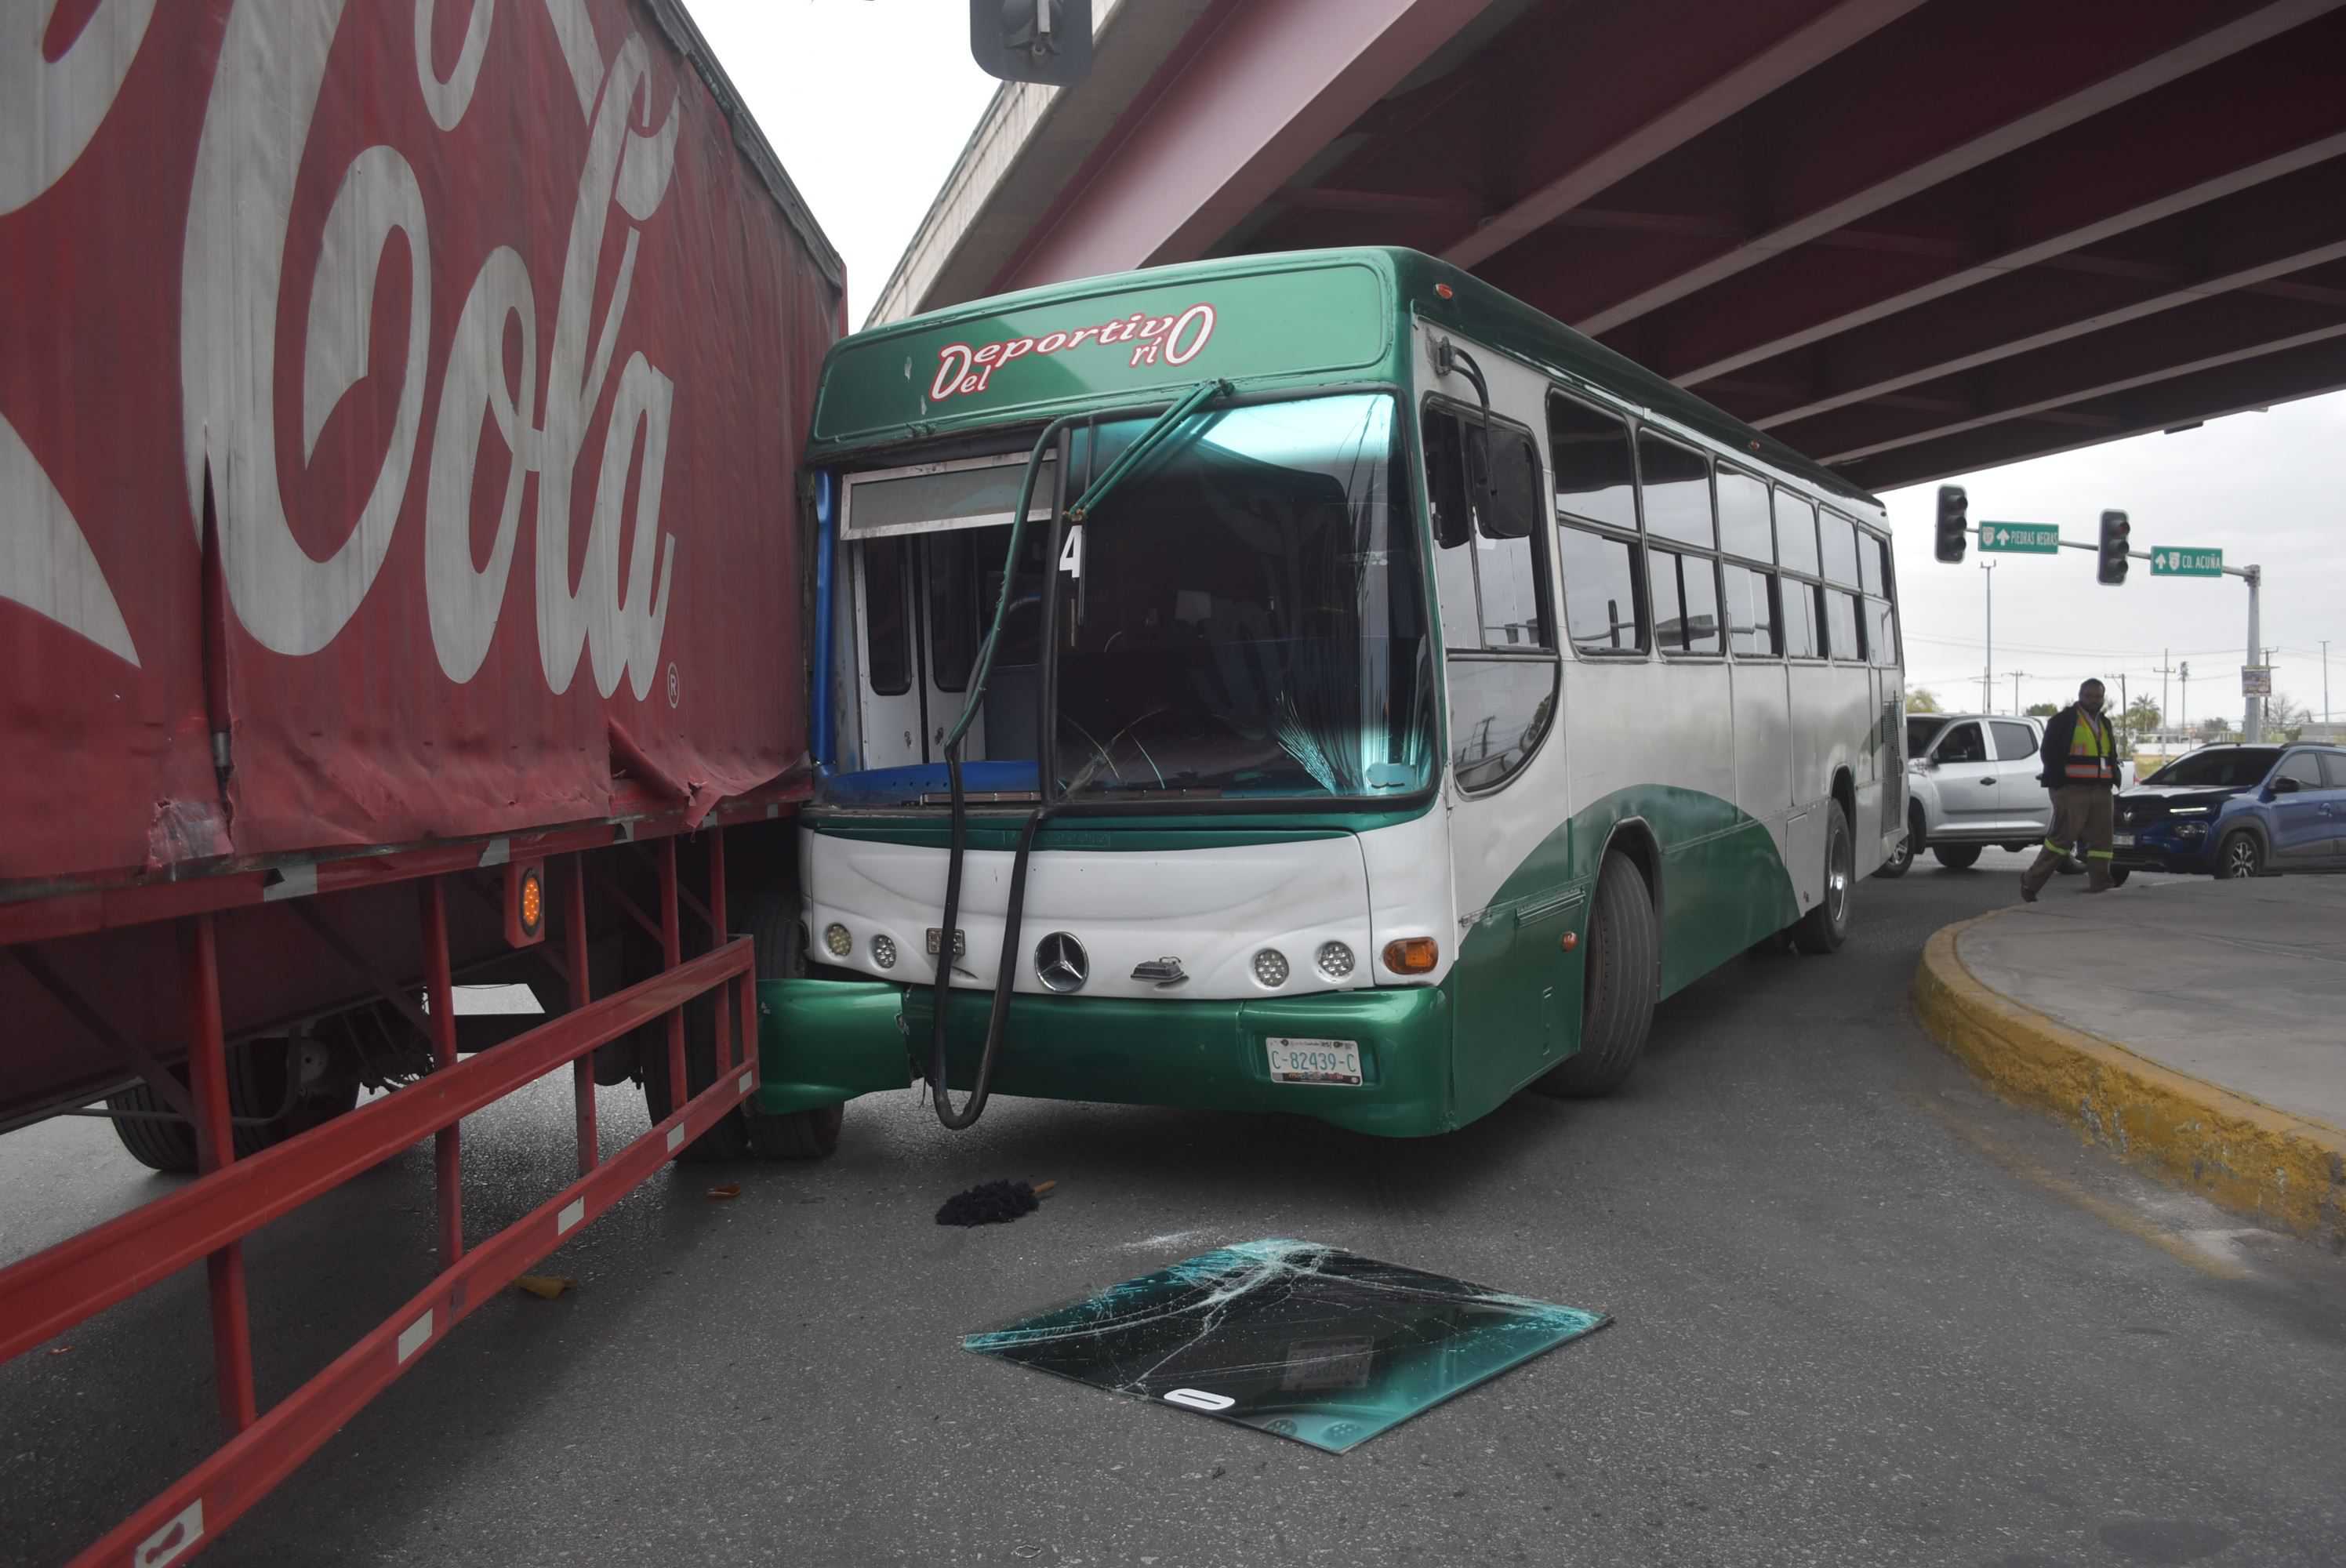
x=869, y=149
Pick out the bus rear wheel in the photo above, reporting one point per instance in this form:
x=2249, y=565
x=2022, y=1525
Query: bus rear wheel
x=1622, y=978
x=1824, y=928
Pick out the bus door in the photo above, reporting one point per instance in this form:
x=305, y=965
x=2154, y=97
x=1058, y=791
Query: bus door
x=1516, y=999
x=890, y=690
x=925, y=548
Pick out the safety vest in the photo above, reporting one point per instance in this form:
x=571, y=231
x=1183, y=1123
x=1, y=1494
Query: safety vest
x=2092, y=754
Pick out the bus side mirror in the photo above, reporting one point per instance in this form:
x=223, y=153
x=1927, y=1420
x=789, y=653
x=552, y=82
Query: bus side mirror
x=1032, y=40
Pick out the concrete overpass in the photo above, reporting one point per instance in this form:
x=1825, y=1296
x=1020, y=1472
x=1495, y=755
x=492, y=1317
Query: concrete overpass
x=1912, y=238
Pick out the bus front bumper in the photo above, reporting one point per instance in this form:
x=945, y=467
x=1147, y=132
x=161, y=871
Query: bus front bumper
x=1195, y=1056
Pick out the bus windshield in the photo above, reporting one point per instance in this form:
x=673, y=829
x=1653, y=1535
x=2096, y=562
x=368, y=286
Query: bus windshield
x=1247, y=615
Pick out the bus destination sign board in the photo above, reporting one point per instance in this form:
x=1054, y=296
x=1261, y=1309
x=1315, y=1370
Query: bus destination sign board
x=2167, y=561
x=2020, y=538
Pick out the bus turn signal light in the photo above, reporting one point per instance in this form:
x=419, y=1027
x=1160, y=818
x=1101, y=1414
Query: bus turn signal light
x=1412, y=955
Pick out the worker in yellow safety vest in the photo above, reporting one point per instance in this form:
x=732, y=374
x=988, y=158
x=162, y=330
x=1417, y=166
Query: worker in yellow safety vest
x=2078, y=765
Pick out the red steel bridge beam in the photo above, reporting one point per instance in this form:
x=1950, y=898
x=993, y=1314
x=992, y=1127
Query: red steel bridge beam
x=2265, y=114
x=2261, y=238
x=1257, y=91
x=2299, y=373
x=1848, y=142
x=2230, y=328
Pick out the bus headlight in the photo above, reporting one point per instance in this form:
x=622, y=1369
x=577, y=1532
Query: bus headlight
x=1335, y=960
x=883, y=951
x=836, y=939
x=1271, y=967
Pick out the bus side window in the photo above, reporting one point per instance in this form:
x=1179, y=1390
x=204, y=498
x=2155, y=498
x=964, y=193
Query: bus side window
x=1674, y=483
x=1445, y=480
x=1601, y=607
x=1796, y=533
x=1453, y=520
x=1841, y=626
x=1798, y=616
x=1881, y=632
x=1686, y=603
x=1743, y=517
x=1841, y=550
x=1874, y=563
x=1506, y=560
x=1595, y=479
x=1750, y=613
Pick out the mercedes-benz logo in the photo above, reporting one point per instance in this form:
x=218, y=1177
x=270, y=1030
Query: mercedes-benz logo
x=1061, y=964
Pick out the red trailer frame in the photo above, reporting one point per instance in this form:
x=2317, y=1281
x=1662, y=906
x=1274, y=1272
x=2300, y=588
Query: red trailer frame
x=51, y=1292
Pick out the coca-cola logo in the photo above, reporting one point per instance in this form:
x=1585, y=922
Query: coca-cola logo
x=256, y=133
x=1178, y=339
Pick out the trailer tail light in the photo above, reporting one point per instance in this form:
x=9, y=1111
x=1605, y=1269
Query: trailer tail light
x=526, y=902
x=1412, y=955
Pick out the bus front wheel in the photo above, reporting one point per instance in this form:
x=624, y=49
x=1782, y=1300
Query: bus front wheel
x=1622, y=978
x=1824, y=928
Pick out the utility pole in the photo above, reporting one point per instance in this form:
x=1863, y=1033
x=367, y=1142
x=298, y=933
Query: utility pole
x=2252, y=727
x=1987, y=678
x=2183, y=675
x=2166, y=669
x=2325, y=680
x=2016, y=676
x=2123, y=706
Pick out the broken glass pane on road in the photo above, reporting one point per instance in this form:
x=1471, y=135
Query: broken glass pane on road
x=1290, y=1337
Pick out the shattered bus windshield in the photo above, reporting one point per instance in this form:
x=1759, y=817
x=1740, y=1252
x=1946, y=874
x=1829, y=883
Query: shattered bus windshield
x=1246, y=613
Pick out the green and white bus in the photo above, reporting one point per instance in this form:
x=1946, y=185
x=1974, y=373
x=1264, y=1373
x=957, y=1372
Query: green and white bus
x=1318, y=683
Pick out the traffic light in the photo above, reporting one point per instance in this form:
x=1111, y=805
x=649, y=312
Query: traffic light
x=1032, y=40
x=1954, y=518
x=2114, y=532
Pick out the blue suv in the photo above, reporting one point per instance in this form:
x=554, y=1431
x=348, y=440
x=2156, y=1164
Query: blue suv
x=2237, y=811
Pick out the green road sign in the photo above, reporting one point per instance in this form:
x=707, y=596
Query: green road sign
x=2024, y=538
x=2169, y=563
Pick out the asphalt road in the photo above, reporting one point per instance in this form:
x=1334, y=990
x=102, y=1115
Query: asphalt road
x=1865, y=1315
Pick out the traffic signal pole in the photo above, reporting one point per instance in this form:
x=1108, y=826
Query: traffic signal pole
x=2113, y=550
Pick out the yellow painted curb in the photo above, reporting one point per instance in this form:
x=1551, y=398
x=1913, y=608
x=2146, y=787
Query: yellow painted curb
x=2287, y=1171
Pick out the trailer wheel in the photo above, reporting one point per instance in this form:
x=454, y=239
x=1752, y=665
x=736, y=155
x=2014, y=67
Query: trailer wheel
x=168, y=1147
x=258, y=1071
x=1623, y=977
x=743, y=1134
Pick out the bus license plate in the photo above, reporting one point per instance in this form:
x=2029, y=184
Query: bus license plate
x=1314, y=1061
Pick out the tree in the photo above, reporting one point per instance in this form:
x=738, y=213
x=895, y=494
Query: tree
x=2042, y=709
x=2285, y=720
x=1923, y=699
x=2143, y=714
x=2215, y=729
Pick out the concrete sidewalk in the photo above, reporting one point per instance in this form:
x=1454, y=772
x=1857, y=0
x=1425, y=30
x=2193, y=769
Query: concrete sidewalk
x=2198, y=1028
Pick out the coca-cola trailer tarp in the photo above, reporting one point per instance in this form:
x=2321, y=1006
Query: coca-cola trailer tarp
x=400, y=542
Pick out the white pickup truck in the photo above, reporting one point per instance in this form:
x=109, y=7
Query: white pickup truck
x=1971, y=782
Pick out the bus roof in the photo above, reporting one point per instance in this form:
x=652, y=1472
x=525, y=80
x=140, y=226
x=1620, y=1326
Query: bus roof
x=1299, y=318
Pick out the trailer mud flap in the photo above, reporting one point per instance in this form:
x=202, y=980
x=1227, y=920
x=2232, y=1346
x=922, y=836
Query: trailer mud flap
x=821, y=1041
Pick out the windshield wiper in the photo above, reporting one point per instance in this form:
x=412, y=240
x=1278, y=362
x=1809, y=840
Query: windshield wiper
x=1005, y=971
